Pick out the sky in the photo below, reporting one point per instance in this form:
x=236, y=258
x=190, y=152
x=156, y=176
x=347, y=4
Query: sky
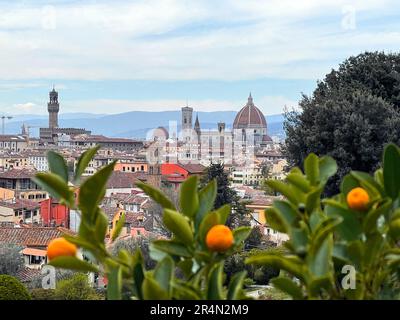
x=118, y=56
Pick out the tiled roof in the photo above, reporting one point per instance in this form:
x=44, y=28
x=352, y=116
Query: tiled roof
x=18, y=174
x=28, y=274
x=193, y=168
x=125, y=179
x=249, y=116
x=11, y=137
x=20, y=204
x=31, y=237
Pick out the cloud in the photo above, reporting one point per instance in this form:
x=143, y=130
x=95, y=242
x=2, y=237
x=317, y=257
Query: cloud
x=171, y=39
x=268, y=104
x=24, y=108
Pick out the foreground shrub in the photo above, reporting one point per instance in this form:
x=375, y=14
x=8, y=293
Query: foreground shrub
x=12, y=289
x=75, y=288
x=200, y=264
x=344, y=247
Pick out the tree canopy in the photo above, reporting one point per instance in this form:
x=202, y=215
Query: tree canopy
x=350, y=116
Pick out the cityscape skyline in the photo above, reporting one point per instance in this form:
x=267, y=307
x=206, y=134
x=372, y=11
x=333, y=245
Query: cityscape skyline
x=113, y=57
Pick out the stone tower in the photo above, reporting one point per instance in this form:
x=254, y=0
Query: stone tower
x=53, y=107
x=187, y=114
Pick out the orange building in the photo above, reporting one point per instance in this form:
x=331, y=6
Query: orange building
x=131, y=166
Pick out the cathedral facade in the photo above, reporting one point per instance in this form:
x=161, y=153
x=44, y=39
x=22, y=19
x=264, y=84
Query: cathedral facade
x=235, y=146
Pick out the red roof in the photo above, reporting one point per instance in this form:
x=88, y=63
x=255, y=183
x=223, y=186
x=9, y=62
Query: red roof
x=20, y=204
x=120, y=179
x=193, y=168
x=249, y=117
x=31, y=237
x=18, y=174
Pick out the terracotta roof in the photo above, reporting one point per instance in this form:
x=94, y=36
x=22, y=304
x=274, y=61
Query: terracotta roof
x=28, y=274
x=104, y=139
x=20, y=204
x=193, y=168
x=31, y=237
x=120, y=179
x=18, y=174
x=34, y=252
x=249, y=116
x=11, y=137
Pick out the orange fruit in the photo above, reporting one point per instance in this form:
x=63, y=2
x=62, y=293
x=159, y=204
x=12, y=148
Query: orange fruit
x=358, y=199
x=60, y=247
x=219, y=238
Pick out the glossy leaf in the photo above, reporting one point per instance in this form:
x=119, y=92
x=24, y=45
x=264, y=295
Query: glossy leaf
x=235, y=290
x=311, y=168
x=391, y=170
x=73, y=263
x=84, y=161
x=156, y=195
x=189, y=199
x=214, y=284
x=288, y=286
x=327, y=168
x=56, y=186
x=57, y=165
x=240, y=234
x=172, y=248
x=152, y=290
x=118, y=227
x=114, y=285
x=178, y=225
x=163, y=274
x=207, y=197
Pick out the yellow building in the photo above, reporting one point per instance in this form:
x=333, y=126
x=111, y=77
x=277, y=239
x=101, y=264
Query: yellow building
x=6, y=194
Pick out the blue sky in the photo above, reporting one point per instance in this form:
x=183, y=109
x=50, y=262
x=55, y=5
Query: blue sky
x=118, y=56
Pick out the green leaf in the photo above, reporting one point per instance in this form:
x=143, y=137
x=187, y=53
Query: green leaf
x=189, y=198
x=118, y=227
x=92, y=192
x=291, y=264
x=313, y=199
x=319, y=261
x=299, y=181
x=207, y=197
x=299, y=239
x=171, y=247
x=56, y=186
x=370, y=221
x=349, y=182
x=368, y=182
x=287, y=212
x=156, y=195
x=83, y=162
x=288, y=286
x=322, y=232
x=138, y=273
x=327, y=168
x=350, y=229
x=235, y=289
x=184, y=291
x=101, y=226
x=223, y=213
x=285, y=190
x=80, y=242
x=178, y=225
x=275, y=220
x=73, y=263
x=391, y=170
x=214, y=287
x=152, y=290
x=57, y=165
x=311, y=168
x=240, y=234
x=114, y=284
x=163, y=274
x=186, y=267
x=210, y=220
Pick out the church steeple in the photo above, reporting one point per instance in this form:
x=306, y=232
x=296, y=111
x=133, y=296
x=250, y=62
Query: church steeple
x=197, y=124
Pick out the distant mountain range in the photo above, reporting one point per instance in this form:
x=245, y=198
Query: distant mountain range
x=133, y=124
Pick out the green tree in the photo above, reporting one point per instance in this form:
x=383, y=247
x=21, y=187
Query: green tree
x=12, y=289
x=11, y=260
x=75, y=288
x=350, y=116
x=226, y=195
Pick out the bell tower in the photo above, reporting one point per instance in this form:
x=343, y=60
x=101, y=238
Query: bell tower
x=53, y=107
